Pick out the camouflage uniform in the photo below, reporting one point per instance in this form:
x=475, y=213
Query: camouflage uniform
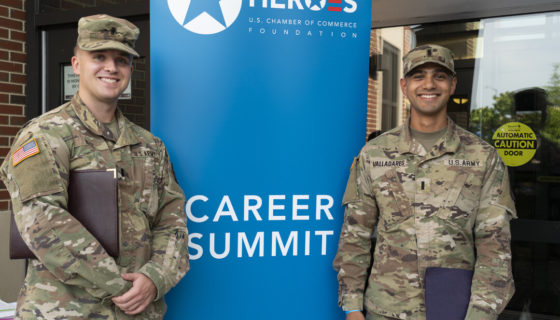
x=446, y=207
x=74, y=277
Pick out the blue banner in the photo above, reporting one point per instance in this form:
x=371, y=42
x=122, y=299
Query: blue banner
x=262, y=106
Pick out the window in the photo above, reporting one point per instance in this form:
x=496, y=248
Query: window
x=390, y=68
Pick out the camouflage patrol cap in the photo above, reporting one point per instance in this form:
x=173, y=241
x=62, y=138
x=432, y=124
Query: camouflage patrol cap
x=103, y=32
x=429, y=53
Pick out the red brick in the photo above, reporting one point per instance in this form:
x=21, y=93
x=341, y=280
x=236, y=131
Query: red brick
x=17, y=14
x=11, y=45
x=4, y=205
x=16, y=35
x=12, y=67
x=3, y=153
x=4, y=130
x=12, y=88
x=3, y=11
x=4, y=120
x=4, y=55
x=18, y=4
x=3, y=99
x=4, y=76
x=17, y=121
x=9, y=109
x=4, y=32
x=10, y=23
x=18, y=78
x=17, y=57
x=4, y=141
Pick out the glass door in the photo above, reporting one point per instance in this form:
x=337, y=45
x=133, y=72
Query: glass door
x=508, y=93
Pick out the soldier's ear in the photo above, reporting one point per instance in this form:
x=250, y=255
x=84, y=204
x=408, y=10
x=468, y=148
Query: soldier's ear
x=403, y=86
x=76, y=65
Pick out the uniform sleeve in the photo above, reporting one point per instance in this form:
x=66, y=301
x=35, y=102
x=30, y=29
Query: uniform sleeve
x=169, y=261
x=38, y=189
x=353, y=257
x=492, y=284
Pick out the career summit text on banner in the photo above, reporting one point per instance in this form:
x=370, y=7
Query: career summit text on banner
x=279, y=225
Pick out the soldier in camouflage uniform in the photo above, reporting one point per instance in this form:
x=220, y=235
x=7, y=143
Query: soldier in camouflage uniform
x=438, y=195
x=73, y=277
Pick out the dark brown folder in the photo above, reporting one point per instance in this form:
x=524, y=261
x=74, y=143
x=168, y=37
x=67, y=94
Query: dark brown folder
x=92, y=200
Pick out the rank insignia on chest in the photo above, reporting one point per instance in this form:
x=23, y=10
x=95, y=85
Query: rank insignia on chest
x=423, y=185
x=29, y=149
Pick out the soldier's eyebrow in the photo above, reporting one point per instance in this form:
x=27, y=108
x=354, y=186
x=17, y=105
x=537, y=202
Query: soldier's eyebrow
x=422, y=71
x=414, y=72
x=120, y=53
x=126, y=55
x=442, y=70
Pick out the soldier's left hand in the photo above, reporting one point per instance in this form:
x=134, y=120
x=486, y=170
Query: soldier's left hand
x=141, y=294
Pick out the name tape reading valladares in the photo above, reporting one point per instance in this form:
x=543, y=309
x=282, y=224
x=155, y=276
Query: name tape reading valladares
x=274, y=208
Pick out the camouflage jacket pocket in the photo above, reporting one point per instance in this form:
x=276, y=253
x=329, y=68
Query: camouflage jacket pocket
x=461, y=201
x=146, y=180
x=394, y=204
x=88, y=152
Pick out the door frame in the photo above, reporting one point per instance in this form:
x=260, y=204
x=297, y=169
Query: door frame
x=37, y=22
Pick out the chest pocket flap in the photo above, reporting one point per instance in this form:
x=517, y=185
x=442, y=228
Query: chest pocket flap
x=393, y=202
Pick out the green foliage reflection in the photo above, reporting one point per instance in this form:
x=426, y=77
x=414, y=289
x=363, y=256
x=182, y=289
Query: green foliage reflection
x=545, y=121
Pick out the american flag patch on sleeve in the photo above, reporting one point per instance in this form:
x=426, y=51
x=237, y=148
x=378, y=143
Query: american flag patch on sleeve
x=29, y=149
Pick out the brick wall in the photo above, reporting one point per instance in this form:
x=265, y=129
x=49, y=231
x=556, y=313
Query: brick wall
x=135, y=109
x=12, y=78
x=371, y=124
x=374, y=86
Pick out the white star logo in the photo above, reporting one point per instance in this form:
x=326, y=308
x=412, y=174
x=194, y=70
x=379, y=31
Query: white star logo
x=205, y=16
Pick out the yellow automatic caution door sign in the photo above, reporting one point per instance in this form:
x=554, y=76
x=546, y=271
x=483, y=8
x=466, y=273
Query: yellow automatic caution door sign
x=516, y=143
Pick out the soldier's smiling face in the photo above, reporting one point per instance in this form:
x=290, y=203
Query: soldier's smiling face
x=428, y=88
x=104, y=75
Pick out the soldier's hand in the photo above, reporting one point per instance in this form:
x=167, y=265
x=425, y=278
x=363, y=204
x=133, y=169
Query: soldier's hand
x=355, y=316
x=141, y=294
